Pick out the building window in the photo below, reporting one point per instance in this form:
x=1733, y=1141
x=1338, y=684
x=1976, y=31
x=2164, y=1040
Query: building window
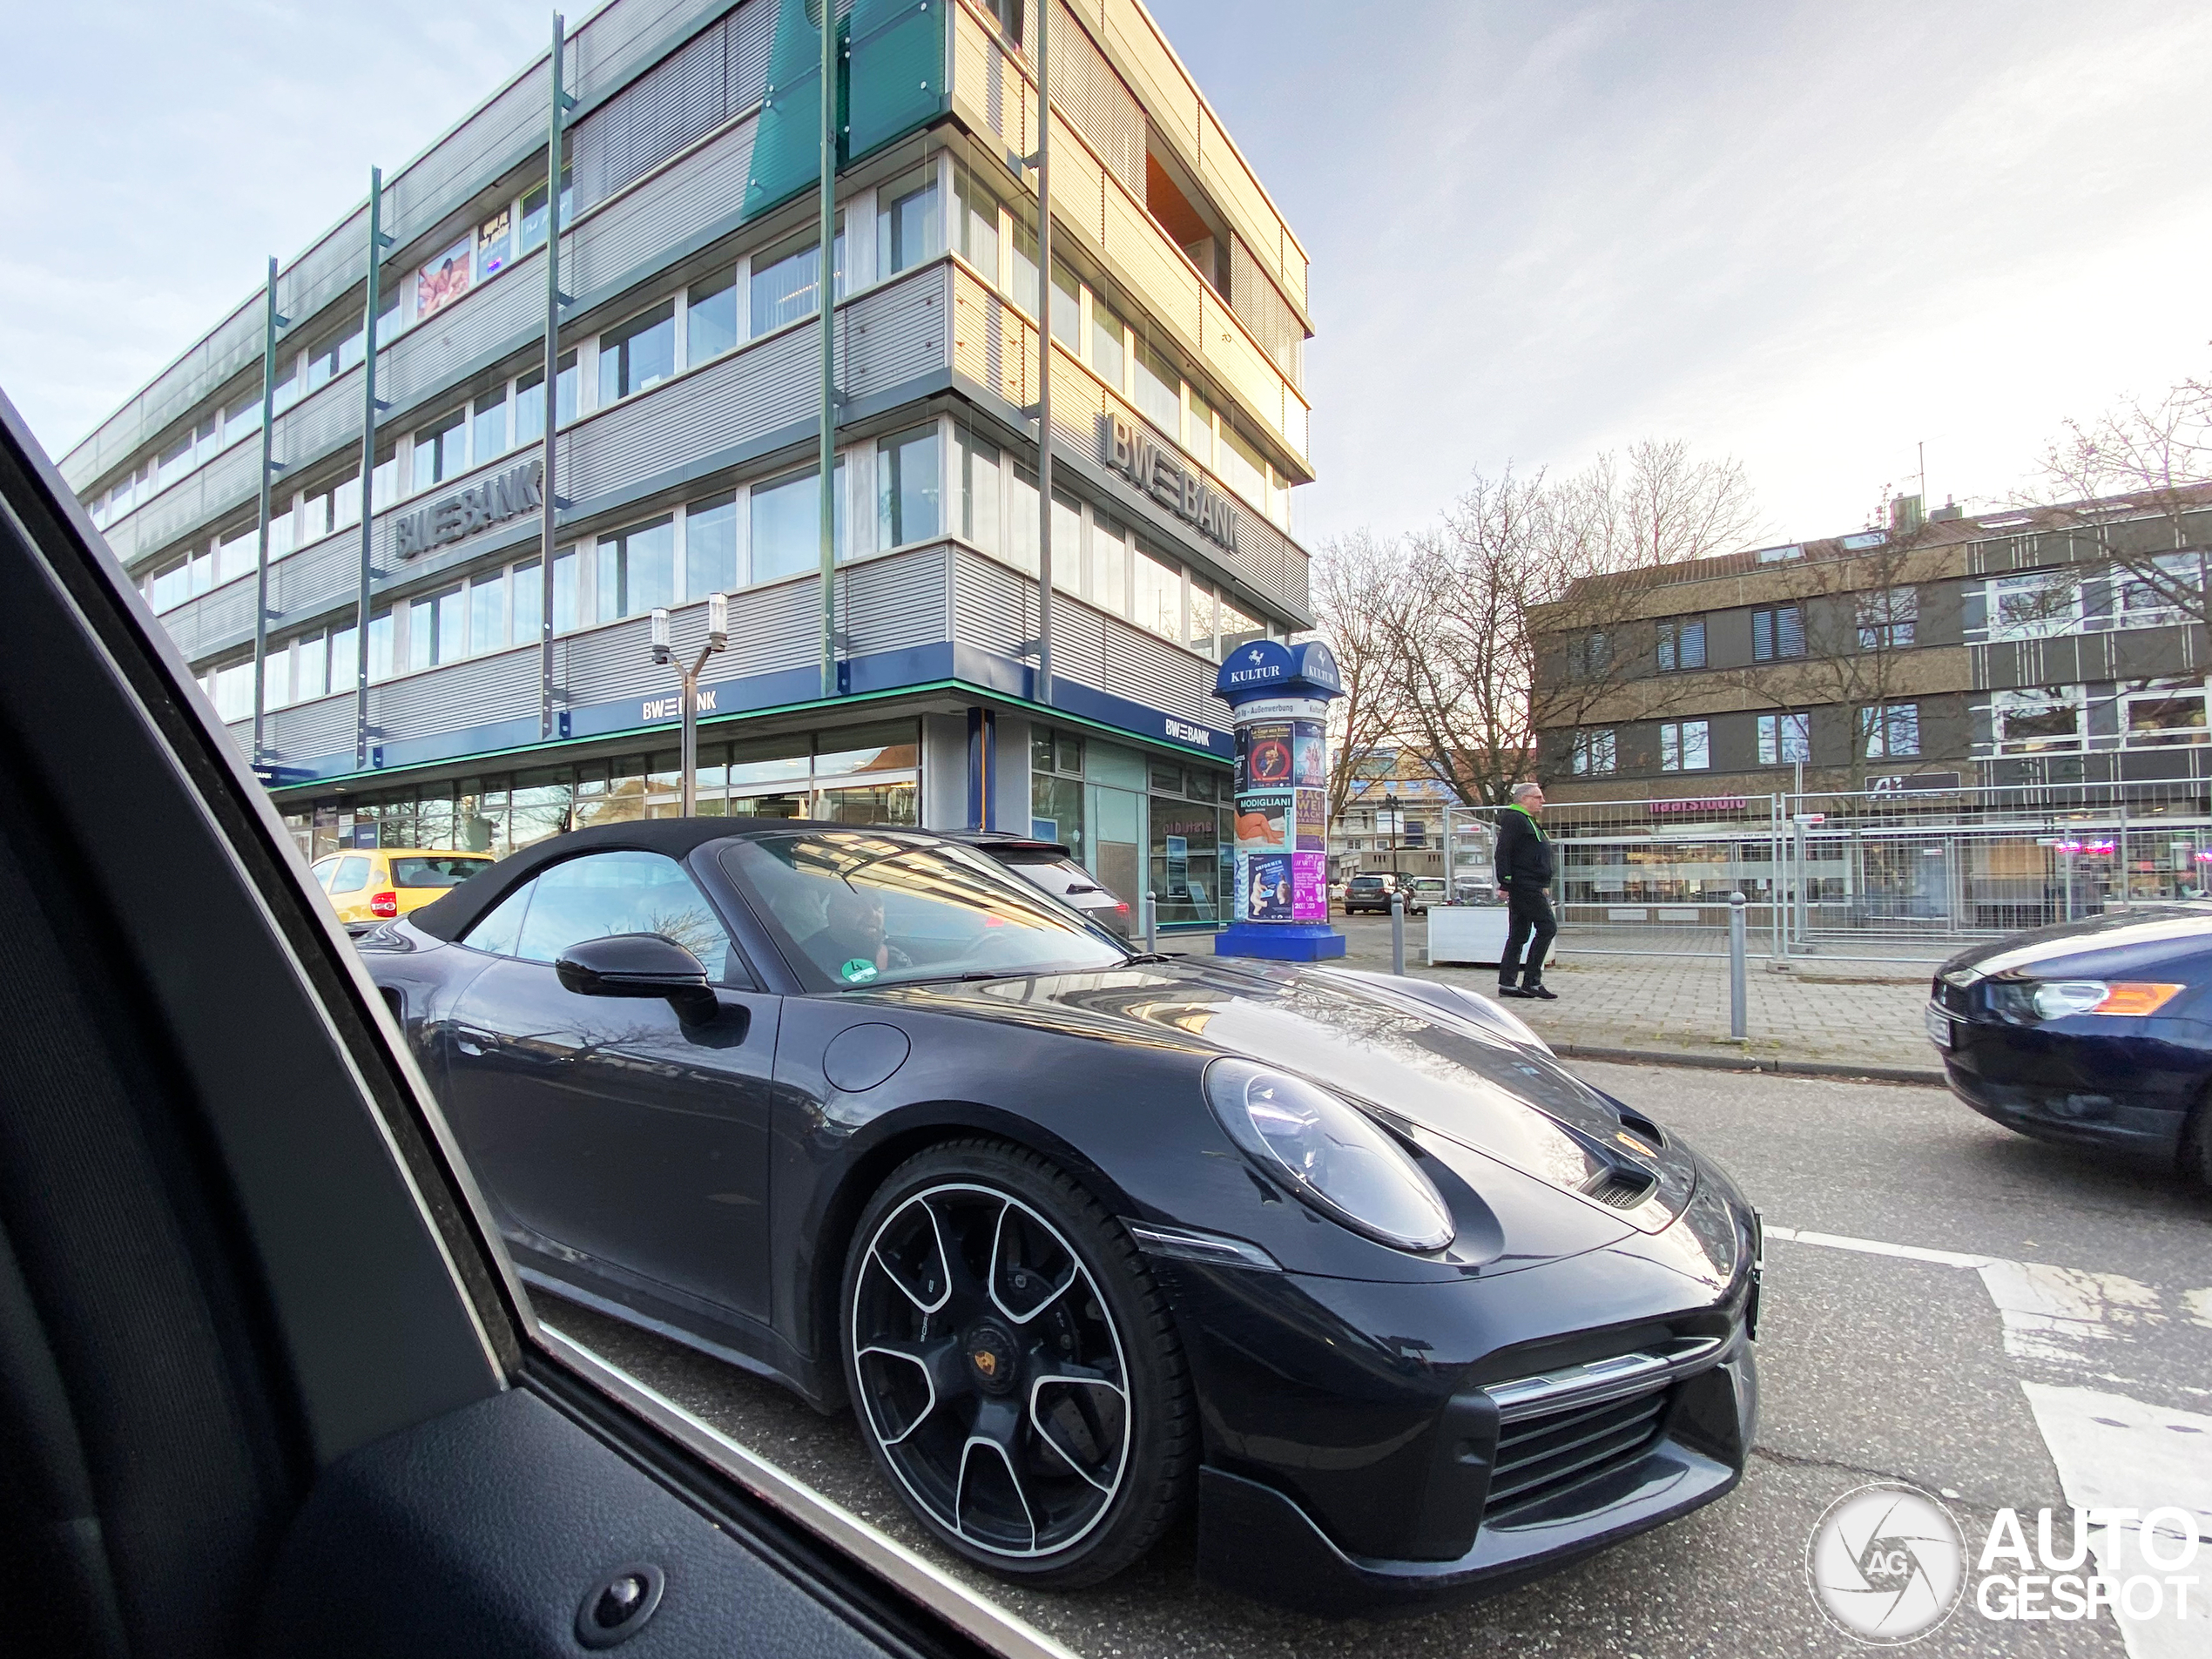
x=976, y=472
x=1197, y=435
x=1887, y=619
x=1237, y=628
x=1067, y=309
x=1159, y=391
x=529, y=401
x=1777, y=633
x=1589, y=656
x=786, y=523
x=1685, y=745
x=1594, y=752
x=1242, y=467
x=710, y=318
x=442, y=281
x=437, y=630
x=488, y=432
x=1682, y=643
x=567, y=592
x=1784, y=739
x=1199, y=603
x=786, y=280
x=1109, y=546
x=333, y=356
x=495, y=244
x=976, y=217
x=442, y=449
x=2035, y=722
x=1890, y=730
x=639, y=353
x=2163, y=716
x=710, y=547
x=1159, y=596
x=488, y=613
x=381, y=665
x=527, y=586
x=533, y=232
x=908, y=227
x=637, y=570
x=1108, y=337
x=2041, y=604
x=906, y=475
x=2160, y=593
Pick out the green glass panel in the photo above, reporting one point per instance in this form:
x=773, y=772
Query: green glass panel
x=787, y=148
x=896, y=70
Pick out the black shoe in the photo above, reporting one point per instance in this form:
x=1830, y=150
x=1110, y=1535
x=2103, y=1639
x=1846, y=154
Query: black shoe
x=1511, y=990
x=1539, y=993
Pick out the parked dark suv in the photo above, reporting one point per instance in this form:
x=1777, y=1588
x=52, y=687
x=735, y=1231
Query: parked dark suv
x=1372, y=891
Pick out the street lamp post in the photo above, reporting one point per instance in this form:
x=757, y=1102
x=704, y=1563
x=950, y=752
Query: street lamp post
x=1390, y=811
x=717, y=639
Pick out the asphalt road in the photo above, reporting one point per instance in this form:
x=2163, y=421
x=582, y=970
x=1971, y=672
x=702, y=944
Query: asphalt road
x=2059, y=1312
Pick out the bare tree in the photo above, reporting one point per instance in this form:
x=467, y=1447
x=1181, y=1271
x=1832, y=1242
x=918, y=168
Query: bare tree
x=2133, y=488
x=1361, y=598
x=1519, y=612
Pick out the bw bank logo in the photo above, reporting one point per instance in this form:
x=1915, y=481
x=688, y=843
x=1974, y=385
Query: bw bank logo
x=1886, y=1564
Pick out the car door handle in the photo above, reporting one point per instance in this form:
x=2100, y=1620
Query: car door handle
x=469, y=1047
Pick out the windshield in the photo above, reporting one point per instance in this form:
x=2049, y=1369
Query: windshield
x=860, y=909
x=442, y=870
x=1366, y=881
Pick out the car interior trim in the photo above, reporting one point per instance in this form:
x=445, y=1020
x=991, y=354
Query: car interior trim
x=993, y=1626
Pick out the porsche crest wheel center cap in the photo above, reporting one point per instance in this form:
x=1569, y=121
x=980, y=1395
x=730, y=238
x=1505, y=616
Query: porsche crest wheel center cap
x=991, y=1356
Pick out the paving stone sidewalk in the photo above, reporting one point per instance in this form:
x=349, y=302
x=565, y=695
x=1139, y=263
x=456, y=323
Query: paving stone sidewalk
x=1821, y=1014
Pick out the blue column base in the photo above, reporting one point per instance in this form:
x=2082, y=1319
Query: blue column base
x=1281, y=941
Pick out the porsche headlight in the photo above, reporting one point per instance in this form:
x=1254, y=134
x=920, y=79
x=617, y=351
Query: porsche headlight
x=1333, y=1156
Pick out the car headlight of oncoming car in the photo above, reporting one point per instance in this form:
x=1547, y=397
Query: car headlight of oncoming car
x=2030, y=1000
x=1332, y=1155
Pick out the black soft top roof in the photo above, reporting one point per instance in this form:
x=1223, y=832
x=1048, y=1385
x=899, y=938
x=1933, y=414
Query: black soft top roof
x=678, y=837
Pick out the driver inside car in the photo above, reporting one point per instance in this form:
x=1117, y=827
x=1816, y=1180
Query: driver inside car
x=851, y=944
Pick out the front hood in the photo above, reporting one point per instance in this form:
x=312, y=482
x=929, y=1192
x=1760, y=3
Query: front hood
x=1403, y=1053
x=2119, y=941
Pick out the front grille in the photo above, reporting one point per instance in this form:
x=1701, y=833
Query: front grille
x=1540, y=1457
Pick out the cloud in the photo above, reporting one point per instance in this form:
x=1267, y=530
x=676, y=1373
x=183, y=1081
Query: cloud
x=1807, y=235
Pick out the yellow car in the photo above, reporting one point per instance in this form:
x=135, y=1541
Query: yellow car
x=375, y=884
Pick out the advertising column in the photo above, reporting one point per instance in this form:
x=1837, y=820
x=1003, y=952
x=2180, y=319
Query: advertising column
x=1278, y=698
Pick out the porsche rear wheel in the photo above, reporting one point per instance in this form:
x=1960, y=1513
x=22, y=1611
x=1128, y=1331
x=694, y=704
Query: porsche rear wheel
x=1014, y=1365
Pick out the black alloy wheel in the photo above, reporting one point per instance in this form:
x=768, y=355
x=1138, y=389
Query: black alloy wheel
x=1014, y=1367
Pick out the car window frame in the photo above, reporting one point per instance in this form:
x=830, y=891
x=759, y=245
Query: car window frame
x=801, y=974
x=736, y=957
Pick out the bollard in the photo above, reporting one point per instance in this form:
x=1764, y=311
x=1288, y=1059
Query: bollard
x=1398, y=930
x=1151, y=923
x=1738, y=1020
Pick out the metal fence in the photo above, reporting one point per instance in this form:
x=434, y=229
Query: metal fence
x=1878, y=875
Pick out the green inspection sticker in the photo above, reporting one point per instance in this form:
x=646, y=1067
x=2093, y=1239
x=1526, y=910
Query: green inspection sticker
x=859, y=971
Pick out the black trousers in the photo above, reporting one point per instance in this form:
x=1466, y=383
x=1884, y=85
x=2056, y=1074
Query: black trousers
x=1531, y=926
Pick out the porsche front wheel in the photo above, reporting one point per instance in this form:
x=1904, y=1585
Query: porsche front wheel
x=1014, y=1365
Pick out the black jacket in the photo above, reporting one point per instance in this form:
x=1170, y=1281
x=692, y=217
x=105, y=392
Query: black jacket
x=1524, y=851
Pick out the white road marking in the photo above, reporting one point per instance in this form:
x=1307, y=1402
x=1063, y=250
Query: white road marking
x=2110, y=1450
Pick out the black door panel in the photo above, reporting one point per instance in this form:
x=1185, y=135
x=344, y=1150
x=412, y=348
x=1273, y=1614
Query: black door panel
x=613, y=1127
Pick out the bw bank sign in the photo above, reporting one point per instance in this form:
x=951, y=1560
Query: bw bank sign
x=460, y=516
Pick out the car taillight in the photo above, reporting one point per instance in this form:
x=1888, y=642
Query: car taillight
x=384, y=904
x=1121, y=909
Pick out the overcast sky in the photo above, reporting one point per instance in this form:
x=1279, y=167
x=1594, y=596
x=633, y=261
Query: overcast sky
x=1810, y=235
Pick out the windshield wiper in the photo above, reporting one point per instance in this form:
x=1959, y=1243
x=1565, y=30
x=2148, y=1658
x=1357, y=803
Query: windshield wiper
x=1152, y=956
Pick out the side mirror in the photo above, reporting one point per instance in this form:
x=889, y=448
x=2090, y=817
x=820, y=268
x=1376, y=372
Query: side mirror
x=637, y=965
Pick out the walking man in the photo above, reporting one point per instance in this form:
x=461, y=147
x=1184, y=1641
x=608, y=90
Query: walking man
x=1525, y=872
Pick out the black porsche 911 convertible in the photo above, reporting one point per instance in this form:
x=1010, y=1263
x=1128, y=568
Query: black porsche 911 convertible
x=1083, y=1232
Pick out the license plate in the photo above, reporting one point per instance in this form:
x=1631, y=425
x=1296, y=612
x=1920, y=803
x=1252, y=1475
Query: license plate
x=1939, y=1025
